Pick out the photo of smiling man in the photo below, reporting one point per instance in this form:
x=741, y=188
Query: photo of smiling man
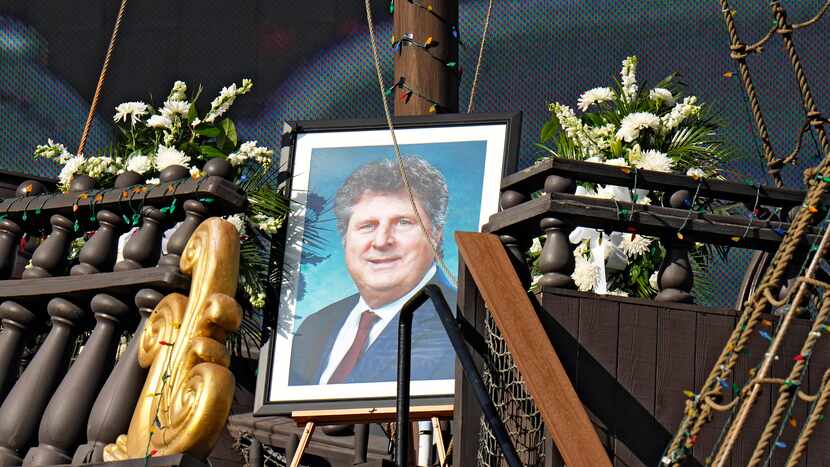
x=388, y=257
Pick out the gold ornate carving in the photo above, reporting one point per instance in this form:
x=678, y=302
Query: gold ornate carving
x=188, y=392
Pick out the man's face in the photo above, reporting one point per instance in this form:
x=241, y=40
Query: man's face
x=386, y=252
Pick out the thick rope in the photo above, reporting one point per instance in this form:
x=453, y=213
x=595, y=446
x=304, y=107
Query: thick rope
x=481, y=56
x=812, y=420
x=102, y=77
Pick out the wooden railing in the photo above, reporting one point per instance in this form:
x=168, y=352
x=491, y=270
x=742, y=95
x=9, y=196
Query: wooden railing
x=57, y=410
x=540, y=200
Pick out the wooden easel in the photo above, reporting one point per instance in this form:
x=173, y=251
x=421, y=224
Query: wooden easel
x=312, y=418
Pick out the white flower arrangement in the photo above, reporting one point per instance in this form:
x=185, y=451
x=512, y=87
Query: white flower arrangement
x=632, y=127
x=155, y=138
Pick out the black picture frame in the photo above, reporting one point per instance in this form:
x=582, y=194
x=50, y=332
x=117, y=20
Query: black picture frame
x=264, y=405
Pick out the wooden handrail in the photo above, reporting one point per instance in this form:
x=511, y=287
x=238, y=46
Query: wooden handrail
x=532, y=178
x=535, y=357
x=648, y=220
x=225, y=193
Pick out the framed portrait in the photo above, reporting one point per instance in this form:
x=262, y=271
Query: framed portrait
x=354, y=250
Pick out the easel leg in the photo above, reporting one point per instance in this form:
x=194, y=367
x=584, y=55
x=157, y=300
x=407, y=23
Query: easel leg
x=309, y=430
x=438, y=438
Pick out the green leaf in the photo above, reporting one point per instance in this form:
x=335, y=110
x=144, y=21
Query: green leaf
x=211, y=152
x=192, y=114
x=230, y=131
x=210, y=132
x=548, y=130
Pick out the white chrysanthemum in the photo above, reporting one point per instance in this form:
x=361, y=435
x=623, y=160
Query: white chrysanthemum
x=585, y=275
x=628, y=76
x=173, y=109
x=159, y=121
x=680, y=112
x=661, y=96
x=634, y=245
x=695, y=172
x=633, y=123
x=168, y=156
x=582, y=250
x=595, y=159
x=237, y=222
x=655, y=160
x=594, y=96
x=132, y=110
x=225, y=99
x=69, y=169
x=179, y=91
x=652, y=280
x=139, y=164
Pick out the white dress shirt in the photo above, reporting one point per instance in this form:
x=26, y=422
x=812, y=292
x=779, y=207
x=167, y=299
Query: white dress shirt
x=348, y=332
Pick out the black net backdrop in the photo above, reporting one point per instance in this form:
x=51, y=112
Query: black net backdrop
x=311, y=59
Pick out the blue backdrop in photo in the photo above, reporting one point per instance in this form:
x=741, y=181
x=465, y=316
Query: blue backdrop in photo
x=461, y=163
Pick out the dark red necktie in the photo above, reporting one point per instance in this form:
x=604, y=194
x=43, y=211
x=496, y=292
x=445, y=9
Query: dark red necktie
x=367, y=320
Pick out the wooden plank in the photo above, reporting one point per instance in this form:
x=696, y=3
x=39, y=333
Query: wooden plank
x=69, y=286
x=636, y=444
x=597, y=373
x=369, y=415
x=649, y=220
x=466, y=424
x=818, y=449
x=563, y=329
x=531, y=179
x=527, y=341
x=747, y=361
x=781, y=369
x=675, y=365
x=225, y=194
x=711, y=336
x=298, y=454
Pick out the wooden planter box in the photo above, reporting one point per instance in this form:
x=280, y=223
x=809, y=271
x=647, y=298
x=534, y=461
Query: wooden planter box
x=631, y=360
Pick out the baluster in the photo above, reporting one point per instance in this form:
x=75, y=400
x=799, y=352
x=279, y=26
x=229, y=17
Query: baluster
x=65, y=417
x=195, y=213
x=99, y=252
x=9, y=237
x=255, y=457
x=516, y=249
x=675, y=278
x=144, y=247
x=556, y=261
x=111, y=413
x=16, y=321
x=21, y=411
x=50, y=258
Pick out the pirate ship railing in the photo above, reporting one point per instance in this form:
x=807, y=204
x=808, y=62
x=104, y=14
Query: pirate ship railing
x=57, y=411
x=632, y=362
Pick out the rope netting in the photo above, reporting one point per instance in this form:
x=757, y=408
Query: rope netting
x=804, y=288
x=513, y=403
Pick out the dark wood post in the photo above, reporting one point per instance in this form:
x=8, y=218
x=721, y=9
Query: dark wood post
x=64, y=419
x=111, y=413
x=22, y=410
x=16, y=321
x=195, y=213
x=9, y=236
x=99, y=253
x=429, y=68
x=143, y=249
x=50, y=257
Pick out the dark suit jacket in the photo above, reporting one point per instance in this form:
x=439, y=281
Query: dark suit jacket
x=432, y=354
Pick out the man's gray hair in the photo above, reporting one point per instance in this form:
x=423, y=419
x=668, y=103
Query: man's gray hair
x=384, y=176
